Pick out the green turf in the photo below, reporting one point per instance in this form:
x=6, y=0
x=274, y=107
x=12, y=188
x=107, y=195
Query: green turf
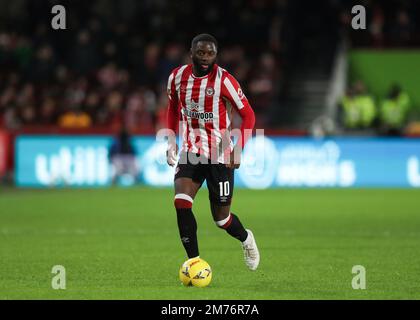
x=123, y=244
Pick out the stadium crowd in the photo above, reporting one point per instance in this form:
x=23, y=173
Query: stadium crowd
x=390, y=23
x=111, y=64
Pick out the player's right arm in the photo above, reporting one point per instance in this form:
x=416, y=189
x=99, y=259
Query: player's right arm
x=172, y=120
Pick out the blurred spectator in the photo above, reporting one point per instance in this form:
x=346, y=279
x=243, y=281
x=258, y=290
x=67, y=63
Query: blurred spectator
x=92, y=104
x=42, y=66
x=130, y=47
x=150, y=66
x=75, y=119
x=358, y=108
x=28, y=115
x=48, y=112
x=111, y=113
x=123, y=158
x=350, y=113
x=376, y=27
x=160, y=114
x=171, y=60
x=394, y=111
x=11, y=119
x=413, y=129
x=262, y=86
x=26, y=95
x=108, y=76
x=389, y=23
x=136, y=115
x=84, y=57
x=401, y=33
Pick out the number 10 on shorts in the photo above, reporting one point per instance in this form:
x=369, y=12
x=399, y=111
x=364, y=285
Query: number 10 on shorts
x=224, y=188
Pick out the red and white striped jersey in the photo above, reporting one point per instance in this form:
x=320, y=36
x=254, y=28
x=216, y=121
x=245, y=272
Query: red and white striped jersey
x=203, y=106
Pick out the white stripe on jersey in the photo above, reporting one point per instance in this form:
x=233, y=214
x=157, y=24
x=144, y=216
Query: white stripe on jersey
x=171, y=78
x=178, y=79
x=202, y=124
x=184, y=135
x=188, y=105
x=228, y=115
x=216, y=98
x=233, y=93
x=216, y=120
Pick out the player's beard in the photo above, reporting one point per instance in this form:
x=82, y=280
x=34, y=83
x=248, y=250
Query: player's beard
x=202, y=71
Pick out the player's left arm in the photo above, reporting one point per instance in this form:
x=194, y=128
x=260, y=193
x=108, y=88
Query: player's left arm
x=232, y=91
x=172, y=119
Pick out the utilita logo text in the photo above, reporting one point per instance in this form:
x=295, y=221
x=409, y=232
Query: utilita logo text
x=76, y=166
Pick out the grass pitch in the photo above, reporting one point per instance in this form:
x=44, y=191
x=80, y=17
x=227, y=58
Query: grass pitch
x=124, y=244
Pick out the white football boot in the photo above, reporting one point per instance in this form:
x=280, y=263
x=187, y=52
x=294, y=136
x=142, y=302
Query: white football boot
x=251, y=253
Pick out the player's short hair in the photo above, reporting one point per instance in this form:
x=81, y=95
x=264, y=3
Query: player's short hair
x=203, y=37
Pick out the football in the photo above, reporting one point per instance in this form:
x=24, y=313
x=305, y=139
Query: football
x=195, y=272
